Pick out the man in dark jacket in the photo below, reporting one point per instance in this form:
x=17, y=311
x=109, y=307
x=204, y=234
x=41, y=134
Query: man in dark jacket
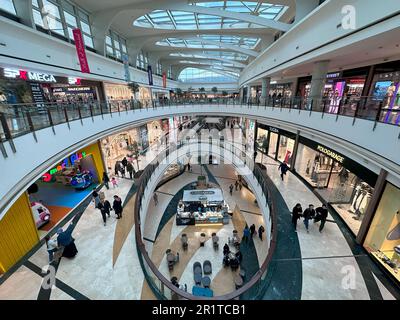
x=106, y=180
x=308, y=214
x=322, y=214
x=66, y=241
x=104, y=207
x=124, y=162
x=283, y=168
x=296, y=215
x=129, y=168
x=117, y=206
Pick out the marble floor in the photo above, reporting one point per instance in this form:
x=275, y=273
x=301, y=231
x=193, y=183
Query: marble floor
x=107, y=265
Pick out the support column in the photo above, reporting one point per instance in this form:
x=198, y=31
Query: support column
x=294, y=155
x=304, y=7
x=318, y=82
x=265, y=87
x=24, y=12
x=248, y=93
x=369, y=214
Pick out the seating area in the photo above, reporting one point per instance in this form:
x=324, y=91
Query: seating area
x=202, y=283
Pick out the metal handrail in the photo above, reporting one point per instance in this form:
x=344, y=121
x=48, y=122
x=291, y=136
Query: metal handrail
x=264, y=182
x=20, y=119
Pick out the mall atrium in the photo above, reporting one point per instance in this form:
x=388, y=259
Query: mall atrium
x=199, y=150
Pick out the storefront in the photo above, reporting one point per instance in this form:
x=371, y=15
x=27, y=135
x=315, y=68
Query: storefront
x=155, y=133
x=28, y=86
x=386, y=88
x=344, y=184
x=348, y=83
x=383, y=238
x=276, y=143
x=116, y=91
x=250, y=129
x=64, y=186
x=160, y=94
x=120, y=145
x=281, y=90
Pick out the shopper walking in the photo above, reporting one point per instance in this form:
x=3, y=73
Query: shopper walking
x=105, y=208
x=130, y=169
x=52, y=247
x=308, y=214
x=155, y=198
x=124, y=162
x=321, y=215
x=240, y=185
x=114, y=182
x=231, y=189
x=297, y=212
x=253, y=230
x=116, y=168
x=261, y=230
x=106, y=180
x=66, y=241
x=283, y=167
x=246, y=233
x=122, y=170
x=117, y=206
x=236, y=185
x=96, y=198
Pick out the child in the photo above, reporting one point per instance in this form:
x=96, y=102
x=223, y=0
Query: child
x=114, y=182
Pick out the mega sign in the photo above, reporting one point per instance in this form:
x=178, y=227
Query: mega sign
x=331, y=154
x=29, y=75
x=48, y=175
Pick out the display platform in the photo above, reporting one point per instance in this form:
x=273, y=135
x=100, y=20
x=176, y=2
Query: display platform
x=199, y=207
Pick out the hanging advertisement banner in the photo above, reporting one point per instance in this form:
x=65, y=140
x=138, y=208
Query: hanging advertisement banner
x=164, y=80
x=125, y=60
x=150, y=74
x=80, y=50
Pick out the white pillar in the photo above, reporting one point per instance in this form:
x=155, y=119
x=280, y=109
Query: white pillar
x=304, y=7
x=318, y=80
x=24, y=12
x=265, y=87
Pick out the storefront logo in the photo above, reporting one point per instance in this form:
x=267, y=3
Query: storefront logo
x=333, y=75
x=331, y=154
x=272, y=129
x=28, y=75
x=48, y=175
x=76, y=81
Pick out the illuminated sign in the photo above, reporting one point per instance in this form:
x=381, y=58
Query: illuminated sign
x=29, y=75
x=76, y=81
x=331, y=154
x=333, y=75
x=48, y=175
x=272, y=129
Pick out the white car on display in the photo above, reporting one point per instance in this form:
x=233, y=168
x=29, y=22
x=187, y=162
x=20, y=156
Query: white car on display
x=40, y=213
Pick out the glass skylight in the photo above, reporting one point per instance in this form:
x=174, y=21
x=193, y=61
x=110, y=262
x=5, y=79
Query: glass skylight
x=212, y=54
x=243, y=42
x=197, y=75
x=182, y=20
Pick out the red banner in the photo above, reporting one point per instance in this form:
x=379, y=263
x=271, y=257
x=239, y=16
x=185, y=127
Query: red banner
x=80, y=50
x=164, y=80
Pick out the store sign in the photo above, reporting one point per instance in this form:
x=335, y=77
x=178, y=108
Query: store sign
x=331, y=154
x=73, y=90
x=48, y=175
x=76, y=81
x=80, y=50
x=29, y=75
x=150, y=75
x=274, y=130
x=164, y=80
x=333, y=75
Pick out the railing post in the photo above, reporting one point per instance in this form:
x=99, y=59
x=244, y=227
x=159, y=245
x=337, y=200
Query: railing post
x=356, y=112
x=339, y=109
x=66, y=117
x=7, y=132
x=109, y=106
x=91, y=111
x=119, y=111
x=101, y=110
x=323, y=109
x=31, y=127
x=378, y=115
x=80, y=114
x=311, y=106
x=50, y=120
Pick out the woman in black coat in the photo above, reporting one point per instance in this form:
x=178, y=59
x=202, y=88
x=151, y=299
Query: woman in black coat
x=117, y=206
x=106, y=180
x=297, y=212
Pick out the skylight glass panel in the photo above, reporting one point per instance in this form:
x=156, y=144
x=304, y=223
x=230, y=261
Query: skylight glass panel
x=8, y=5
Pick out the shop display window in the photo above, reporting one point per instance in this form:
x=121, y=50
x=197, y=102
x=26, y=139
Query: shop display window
x=285, y=151
x=262, y=140
x=273, y=142
x=383, y=238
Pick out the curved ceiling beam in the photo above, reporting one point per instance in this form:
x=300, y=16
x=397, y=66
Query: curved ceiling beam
x=249, y=52
x=205, y=63
x=202, y=57
x=245, y=17
x=208, y=68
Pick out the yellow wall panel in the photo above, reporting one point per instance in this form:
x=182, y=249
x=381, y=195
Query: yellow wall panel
x=18, y=233
x=95, y=151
